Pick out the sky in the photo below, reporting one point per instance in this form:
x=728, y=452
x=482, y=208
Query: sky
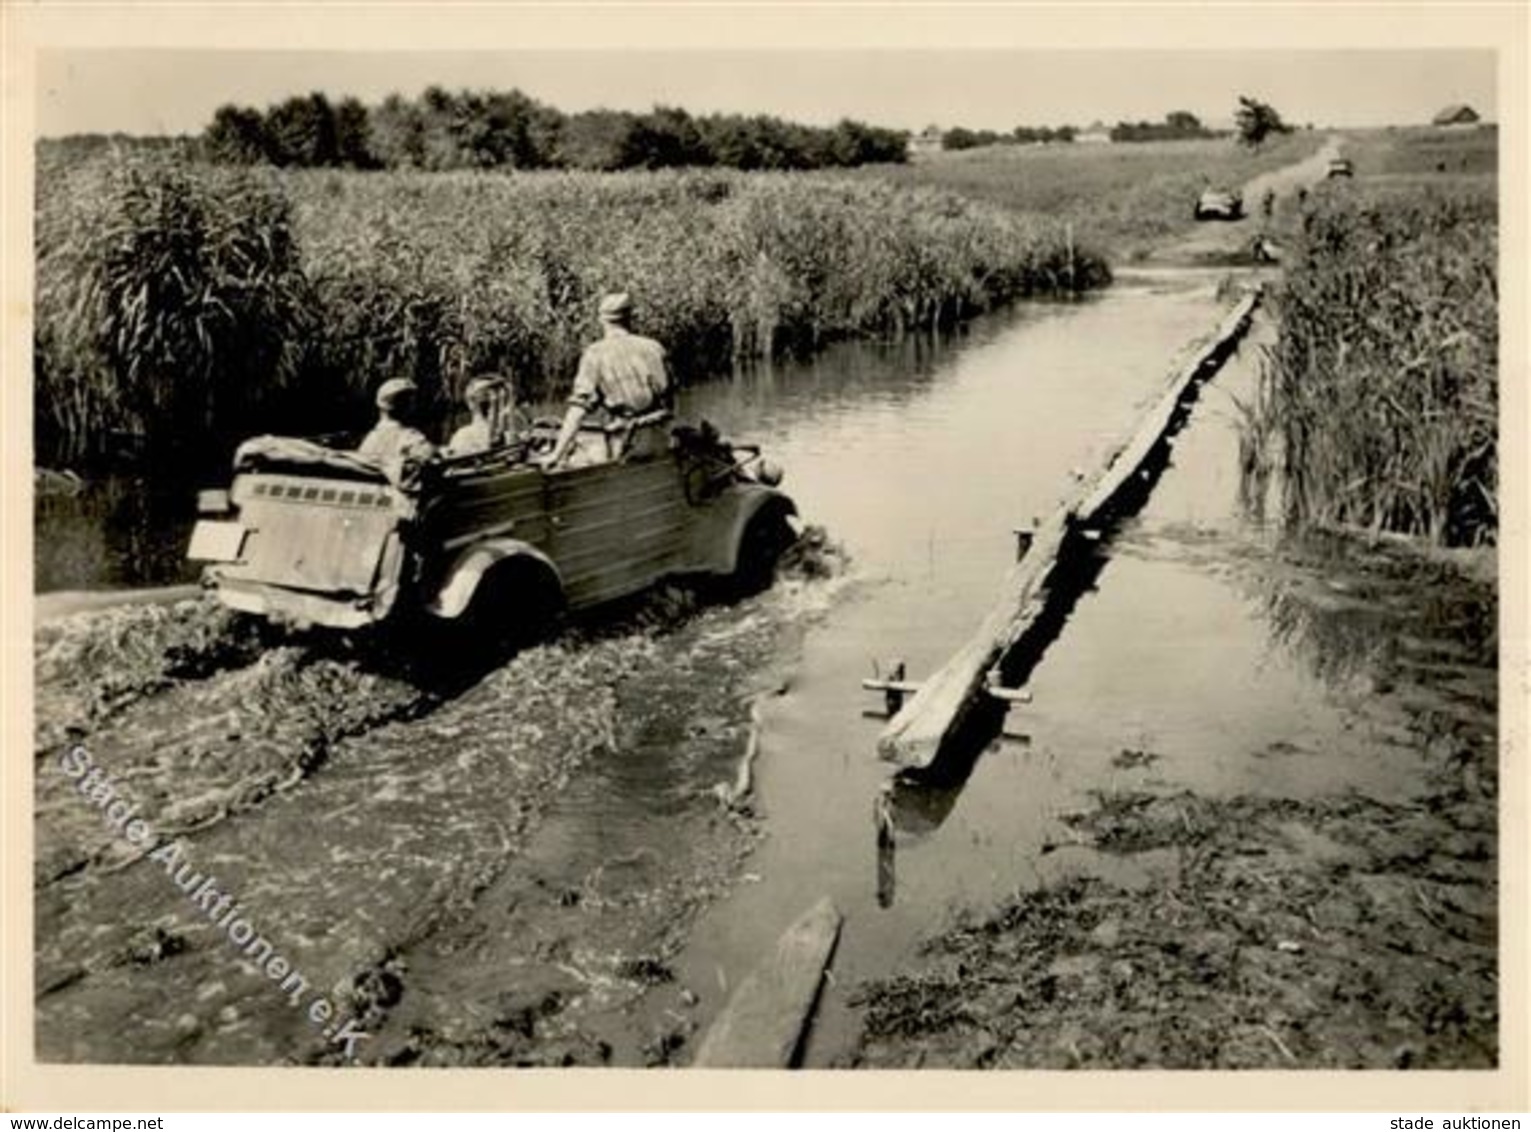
x=176, y=91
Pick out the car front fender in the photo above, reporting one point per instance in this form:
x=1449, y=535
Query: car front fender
x=455, y=590
x=719, y=531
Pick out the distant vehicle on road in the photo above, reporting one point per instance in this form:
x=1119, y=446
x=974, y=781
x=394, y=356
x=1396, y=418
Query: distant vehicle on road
x=1340, y=167
x=1220, y=204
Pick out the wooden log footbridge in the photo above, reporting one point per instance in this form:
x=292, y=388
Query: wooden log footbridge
x=938, y=707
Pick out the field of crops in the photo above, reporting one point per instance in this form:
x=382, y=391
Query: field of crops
x=1380, y=398
x=1424, y=152
x=1124, y=197
x=184, y=303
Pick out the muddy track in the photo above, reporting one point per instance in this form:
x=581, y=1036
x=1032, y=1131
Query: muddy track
x=90, y=667
x=372, y=826
x=194, y=716
x=566, y=956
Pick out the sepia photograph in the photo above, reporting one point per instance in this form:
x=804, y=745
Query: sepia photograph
x=829, y=557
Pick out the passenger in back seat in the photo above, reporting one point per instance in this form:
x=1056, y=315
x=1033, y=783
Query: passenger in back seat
x=395, y=444
x=484, y=431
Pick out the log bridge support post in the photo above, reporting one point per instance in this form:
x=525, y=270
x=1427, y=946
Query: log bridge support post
x=1023, y=540
x=894, y=690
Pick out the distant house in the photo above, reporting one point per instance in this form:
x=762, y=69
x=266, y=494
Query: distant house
x=1096, y=133
x=1457, y=115
x=926, y=142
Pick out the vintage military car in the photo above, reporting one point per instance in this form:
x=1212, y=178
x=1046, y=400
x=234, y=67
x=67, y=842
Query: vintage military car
x=1220, y=204
x=316, y=536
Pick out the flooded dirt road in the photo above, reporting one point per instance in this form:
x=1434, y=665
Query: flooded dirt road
x=551, y=865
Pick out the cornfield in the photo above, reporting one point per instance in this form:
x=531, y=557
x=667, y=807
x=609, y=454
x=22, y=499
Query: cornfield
x=178, y=300
x=1381, y=392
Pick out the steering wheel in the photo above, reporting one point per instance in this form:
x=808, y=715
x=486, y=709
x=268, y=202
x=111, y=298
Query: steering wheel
x=541, y=436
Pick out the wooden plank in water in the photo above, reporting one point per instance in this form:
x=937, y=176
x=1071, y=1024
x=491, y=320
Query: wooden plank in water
x=915, y=735
x=1131, y=455
x=763, y=1024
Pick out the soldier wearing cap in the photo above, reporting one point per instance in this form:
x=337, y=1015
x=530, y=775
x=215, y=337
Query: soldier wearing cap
x=394, y=440
x=623, y=374
x=491, y=401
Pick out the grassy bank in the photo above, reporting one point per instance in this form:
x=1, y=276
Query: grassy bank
x=180, y=302
x=1379, y=403
x=1122, y=197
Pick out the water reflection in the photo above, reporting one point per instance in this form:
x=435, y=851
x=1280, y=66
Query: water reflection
x=758, y=394
x=1351, y=611
x=887, y=845
x=115, y=532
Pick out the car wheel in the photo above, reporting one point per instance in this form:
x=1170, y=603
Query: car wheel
x=515, y=605
x=765, y=540
x=527, y=603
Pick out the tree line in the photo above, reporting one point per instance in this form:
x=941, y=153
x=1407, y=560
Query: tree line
x=959, y=137
x=445, y=130
x=1178, y=124
x=1254, y=121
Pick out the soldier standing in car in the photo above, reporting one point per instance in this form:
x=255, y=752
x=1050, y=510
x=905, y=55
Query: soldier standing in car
x=624, y=374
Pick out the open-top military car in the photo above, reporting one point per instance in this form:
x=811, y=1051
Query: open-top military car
x=317, y=536
x=1219, y=204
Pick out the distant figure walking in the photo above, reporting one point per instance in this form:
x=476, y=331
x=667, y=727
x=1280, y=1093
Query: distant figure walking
x=623, y=374
x=1268, y=203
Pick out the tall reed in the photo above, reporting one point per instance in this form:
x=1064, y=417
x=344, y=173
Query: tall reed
x=170, y=305
x=1382, y=388
x=179, y=297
